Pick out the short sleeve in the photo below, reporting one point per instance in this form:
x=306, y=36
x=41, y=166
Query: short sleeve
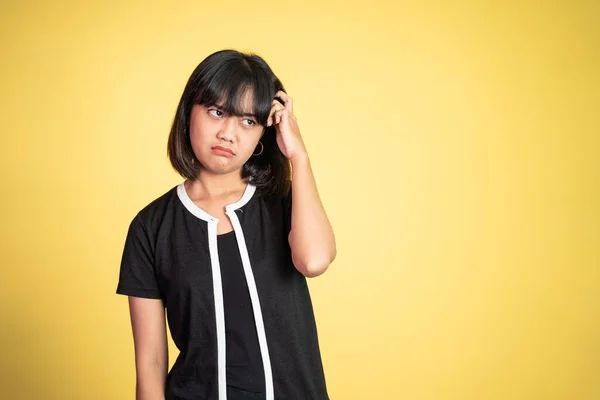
x=287, y=211
x=137, y=276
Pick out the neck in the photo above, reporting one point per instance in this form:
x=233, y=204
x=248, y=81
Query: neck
x=214, y=186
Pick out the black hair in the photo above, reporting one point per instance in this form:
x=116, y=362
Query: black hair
x=222, y=79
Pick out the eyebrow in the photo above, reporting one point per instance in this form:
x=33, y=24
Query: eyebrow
x=220, y=108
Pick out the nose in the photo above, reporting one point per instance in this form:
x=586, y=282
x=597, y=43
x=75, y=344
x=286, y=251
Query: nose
x=227, y=130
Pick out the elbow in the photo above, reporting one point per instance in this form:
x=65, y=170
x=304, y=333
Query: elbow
x=315, y=267
x=310, y=259
x=315, y=270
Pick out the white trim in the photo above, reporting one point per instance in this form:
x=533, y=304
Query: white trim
x=218, y=285
x=219, y=307
x=258, y=319
x=203, y=215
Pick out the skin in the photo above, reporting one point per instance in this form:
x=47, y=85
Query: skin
x=218, y=184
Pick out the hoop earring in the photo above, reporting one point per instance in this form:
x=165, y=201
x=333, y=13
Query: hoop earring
x=262, y=148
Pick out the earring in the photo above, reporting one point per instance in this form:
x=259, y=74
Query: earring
x=262, y=148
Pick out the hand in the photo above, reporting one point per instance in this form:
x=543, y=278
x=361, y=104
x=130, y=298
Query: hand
x=289, y=139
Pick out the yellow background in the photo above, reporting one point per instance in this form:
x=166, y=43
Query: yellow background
x=455, y=144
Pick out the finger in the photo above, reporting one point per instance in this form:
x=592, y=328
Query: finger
x=287, y=100
x=284, y=117
x=279, y=114
x=275, y=106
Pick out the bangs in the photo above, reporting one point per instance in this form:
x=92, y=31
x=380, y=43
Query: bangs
x=238, y=89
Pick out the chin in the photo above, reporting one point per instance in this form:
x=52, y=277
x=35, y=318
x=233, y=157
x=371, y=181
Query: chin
x=221, y=169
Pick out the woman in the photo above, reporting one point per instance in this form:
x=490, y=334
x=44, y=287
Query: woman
x=227, y=252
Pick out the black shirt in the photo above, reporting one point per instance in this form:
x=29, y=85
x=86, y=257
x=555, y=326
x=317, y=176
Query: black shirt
x=244, y=364
x=171, y=253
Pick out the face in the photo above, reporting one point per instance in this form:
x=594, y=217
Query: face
x=223, y=143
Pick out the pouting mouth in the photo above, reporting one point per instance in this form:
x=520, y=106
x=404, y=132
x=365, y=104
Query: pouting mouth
x=225, y=149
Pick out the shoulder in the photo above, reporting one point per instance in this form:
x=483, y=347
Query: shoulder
x=272, y=210
x=274, y=202
x=156, y=210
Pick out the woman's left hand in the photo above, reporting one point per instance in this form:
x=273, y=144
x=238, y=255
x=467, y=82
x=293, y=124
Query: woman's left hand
x=289, y=139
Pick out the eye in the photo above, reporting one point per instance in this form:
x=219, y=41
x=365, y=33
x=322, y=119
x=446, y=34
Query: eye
x=215, y=112
x=251, y=122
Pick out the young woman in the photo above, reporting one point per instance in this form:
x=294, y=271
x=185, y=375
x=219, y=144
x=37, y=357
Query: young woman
x=227, y=252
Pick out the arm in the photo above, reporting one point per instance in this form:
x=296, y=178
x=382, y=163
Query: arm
x=311, y=238
x=151, y=351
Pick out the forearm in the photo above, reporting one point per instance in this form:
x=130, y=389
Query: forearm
x=151, y=380
x=312, y=239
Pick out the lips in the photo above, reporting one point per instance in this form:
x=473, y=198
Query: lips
x=223, y=151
